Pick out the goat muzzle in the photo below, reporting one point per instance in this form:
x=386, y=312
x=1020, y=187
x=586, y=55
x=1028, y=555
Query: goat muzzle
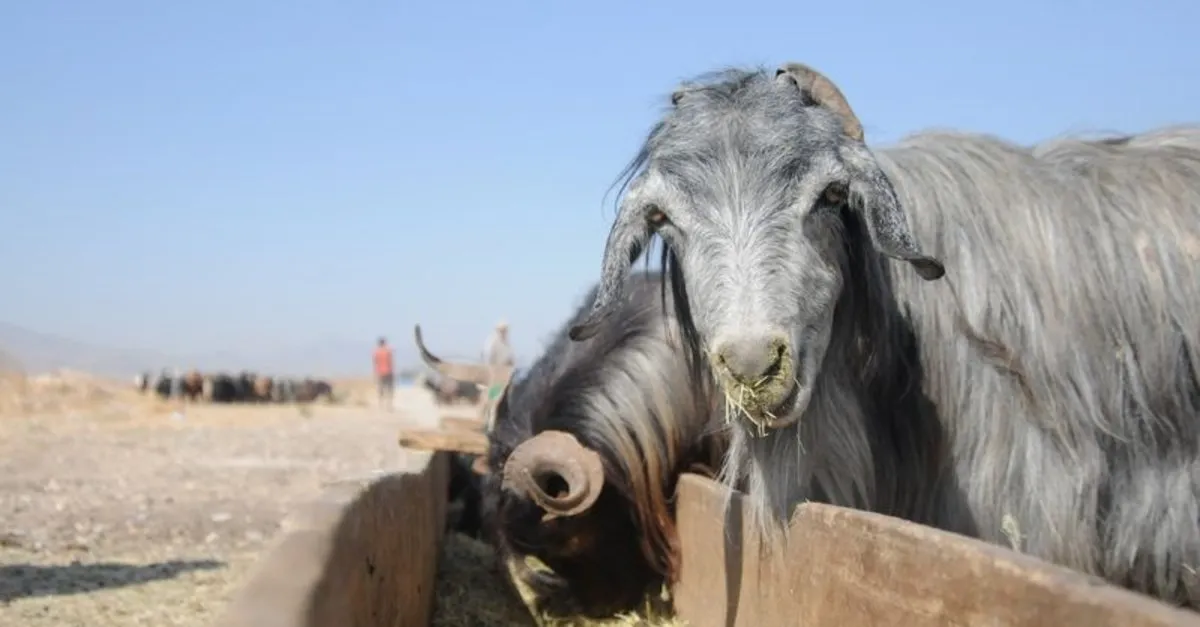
x=537, y=464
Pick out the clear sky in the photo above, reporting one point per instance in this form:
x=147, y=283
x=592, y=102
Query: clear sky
x=191, y=176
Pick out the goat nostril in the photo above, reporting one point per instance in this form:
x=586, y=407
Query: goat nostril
x=774, y=363
x=752, y=361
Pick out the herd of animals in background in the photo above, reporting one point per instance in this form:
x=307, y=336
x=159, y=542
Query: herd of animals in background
x=992, y=339
x=245, y=387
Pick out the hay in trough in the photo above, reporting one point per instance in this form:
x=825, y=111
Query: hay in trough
x=471, y=591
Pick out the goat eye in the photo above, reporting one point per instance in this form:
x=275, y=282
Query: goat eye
x=834, y=194
x=655, y=216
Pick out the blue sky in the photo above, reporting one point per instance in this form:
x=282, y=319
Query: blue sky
x=191, y=176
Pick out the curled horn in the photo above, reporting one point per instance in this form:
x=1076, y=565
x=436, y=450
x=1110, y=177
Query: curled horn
x=626, y=241
x=551, y=454
x=824, y=93
x=479, y=374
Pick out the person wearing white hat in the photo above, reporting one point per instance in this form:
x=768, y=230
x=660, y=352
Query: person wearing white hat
x=497, y=352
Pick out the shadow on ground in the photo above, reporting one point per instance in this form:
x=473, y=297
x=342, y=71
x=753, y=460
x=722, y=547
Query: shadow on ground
x=27, y=580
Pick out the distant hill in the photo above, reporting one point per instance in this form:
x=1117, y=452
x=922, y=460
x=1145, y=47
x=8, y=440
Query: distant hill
x=36, y=351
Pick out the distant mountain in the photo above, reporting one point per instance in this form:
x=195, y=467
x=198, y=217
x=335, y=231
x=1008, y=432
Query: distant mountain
x=36, y=351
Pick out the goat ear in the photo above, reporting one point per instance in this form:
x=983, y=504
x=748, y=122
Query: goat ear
x=875, y=199
x=626, y=241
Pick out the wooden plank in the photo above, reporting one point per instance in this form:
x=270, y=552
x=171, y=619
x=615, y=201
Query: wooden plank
x=843, y=567
x=455, y=440
x=361, y=556
x=462, y=423
x=473, y=413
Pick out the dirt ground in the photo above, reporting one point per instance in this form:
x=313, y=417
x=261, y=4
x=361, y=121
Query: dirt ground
x=115, y=510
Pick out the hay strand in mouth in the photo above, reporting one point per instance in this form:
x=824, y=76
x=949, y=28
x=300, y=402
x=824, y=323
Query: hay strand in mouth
x=736, y=408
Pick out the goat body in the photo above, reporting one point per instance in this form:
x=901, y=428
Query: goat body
x=993, y=339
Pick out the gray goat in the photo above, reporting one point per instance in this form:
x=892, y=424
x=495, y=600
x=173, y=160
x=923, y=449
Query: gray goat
x=1042, y=394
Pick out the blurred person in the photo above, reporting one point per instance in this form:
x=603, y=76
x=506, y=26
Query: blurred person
x=384, y=377
x=497, y=353
x=176, y=382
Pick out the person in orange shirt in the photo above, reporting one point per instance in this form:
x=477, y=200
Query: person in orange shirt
x=385, y=380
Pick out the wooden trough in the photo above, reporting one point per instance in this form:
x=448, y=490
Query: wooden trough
x=366, y=555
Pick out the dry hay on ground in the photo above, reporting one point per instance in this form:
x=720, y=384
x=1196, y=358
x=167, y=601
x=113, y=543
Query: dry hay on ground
x=66, y=391
x=470, y=590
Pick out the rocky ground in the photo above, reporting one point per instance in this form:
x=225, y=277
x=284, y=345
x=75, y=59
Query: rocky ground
x=126, y=512
x=117, y=508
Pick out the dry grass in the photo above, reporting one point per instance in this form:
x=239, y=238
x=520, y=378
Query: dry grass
x=22, y=395
x=646, y=616
x=753, y=400
x=472, y=591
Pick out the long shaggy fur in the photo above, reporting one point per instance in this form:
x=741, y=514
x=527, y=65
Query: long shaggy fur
x=1043, y=394
x=625, y=395
x=1070, y=394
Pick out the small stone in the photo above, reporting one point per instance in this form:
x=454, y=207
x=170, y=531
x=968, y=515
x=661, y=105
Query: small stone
x=211, y=537
x=221, y=517
x=80, y=544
